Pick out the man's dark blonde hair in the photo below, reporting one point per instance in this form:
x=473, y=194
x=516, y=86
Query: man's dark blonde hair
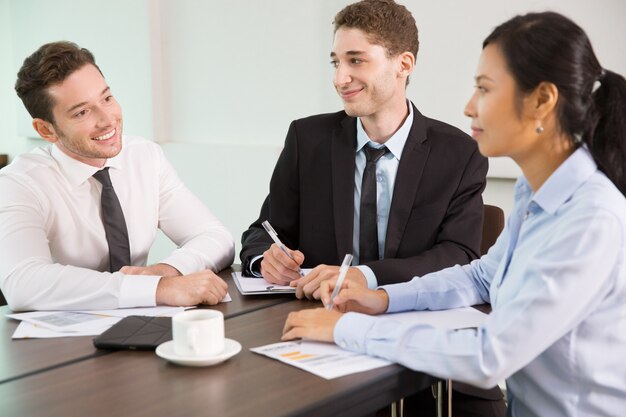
x=385, y=22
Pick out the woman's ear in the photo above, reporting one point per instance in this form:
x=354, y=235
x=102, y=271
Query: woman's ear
x=542, y=101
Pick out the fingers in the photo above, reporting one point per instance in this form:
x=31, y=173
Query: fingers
x=353, y=278
x=278, y=268
x=354, y=296
x=271, y=274
x=298, y=257
x=202, y=287
x=215, y=290
x=345, y=296
x=309, y=285
x=290, y=322
x=305, y=281
x=326, y=289
x=314, y=324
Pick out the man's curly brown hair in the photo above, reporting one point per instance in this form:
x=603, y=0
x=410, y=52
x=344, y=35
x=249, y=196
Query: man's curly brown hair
x=385, y=22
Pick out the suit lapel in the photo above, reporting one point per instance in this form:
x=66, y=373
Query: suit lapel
x=408, y=177
x=343, y=151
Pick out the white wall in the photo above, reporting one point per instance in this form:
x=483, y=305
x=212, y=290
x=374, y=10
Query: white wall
x=9, y=143
x=218, y=81
x=118, y=34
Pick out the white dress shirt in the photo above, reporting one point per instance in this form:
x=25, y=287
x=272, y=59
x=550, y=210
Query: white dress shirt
x=53, y=248
x=386, y=170
x=556, y=280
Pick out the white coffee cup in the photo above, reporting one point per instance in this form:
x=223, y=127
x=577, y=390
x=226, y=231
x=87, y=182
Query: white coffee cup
x=198, y=332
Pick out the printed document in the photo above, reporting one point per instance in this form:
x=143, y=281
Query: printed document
x=47, y=324
x=330, y=361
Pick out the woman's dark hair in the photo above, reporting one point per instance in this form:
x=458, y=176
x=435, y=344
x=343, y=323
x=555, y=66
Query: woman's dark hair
x=591, y=108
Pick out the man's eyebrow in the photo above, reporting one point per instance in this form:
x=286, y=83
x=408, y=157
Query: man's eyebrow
x=351, y=53
x=81, y=104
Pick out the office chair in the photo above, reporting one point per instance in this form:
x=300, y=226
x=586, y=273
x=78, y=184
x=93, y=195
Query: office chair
x=493, y=223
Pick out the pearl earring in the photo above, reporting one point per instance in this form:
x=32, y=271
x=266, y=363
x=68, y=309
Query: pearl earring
x=539, y=129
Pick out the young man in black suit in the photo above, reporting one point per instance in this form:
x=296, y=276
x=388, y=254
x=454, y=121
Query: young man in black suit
x=426, y=181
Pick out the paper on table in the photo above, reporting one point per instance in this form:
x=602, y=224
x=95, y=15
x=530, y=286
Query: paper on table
x=78, y=321
x=27, y=330
x=250, y=286
x=166, y=311
x=65, y=321
x=38, y=324
x=333, y=362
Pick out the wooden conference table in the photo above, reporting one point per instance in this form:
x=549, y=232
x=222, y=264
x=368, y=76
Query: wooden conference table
x=68, y=376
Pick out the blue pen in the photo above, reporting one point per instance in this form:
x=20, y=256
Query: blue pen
x=343, y=270
x=270, y=231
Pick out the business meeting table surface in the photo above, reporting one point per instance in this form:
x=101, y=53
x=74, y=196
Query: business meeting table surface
x=25, y=356
x=68, y=376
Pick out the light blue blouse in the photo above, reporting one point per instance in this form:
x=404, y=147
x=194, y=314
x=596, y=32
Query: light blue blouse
x=556, y=281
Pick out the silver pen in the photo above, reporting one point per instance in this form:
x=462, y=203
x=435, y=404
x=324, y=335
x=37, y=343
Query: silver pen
x=343, y=270
x=270, y=231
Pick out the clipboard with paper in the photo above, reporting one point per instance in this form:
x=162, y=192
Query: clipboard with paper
x=255, y=286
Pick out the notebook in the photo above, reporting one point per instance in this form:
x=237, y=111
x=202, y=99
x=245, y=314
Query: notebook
x=136, y=333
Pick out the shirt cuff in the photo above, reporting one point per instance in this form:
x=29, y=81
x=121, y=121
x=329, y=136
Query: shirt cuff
x=402, y=296
x=351, y=331
x=138, y=291
x=254, y=269
x=370, y=277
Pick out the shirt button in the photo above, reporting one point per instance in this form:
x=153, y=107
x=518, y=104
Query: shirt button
x=379, y=178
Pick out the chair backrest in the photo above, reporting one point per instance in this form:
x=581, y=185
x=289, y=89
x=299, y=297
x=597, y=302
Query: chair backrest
x=493, y=223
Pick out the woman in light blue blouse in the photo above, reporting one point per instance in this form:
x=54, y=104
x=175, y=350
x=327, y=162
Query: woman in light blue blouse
x=556, y=277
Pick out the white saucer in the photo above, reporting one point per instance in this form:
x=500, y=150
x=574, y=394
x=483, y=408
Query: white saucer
x=166, y=351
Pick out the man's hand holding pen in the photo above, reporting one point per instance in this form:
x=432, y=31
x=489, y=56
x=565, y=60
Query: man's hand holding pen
x=281, y=266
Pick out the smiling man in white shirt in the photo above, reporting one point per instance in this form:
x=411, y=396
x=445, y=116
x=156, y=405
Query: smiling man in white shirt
x=54, y=247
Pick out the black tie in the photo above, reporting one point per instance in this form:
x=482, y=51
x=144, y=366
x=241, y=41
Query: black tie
x=114, y=223
x=368, y=225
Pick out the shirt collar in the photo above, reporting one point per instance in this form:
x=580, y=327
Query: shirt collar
x=395, y=143
x=77, y=172
x=565, y=180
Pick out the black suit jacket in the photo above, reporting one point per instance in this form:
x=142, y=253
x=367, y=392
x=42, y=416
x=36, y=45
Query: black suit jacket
x=436, y=212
